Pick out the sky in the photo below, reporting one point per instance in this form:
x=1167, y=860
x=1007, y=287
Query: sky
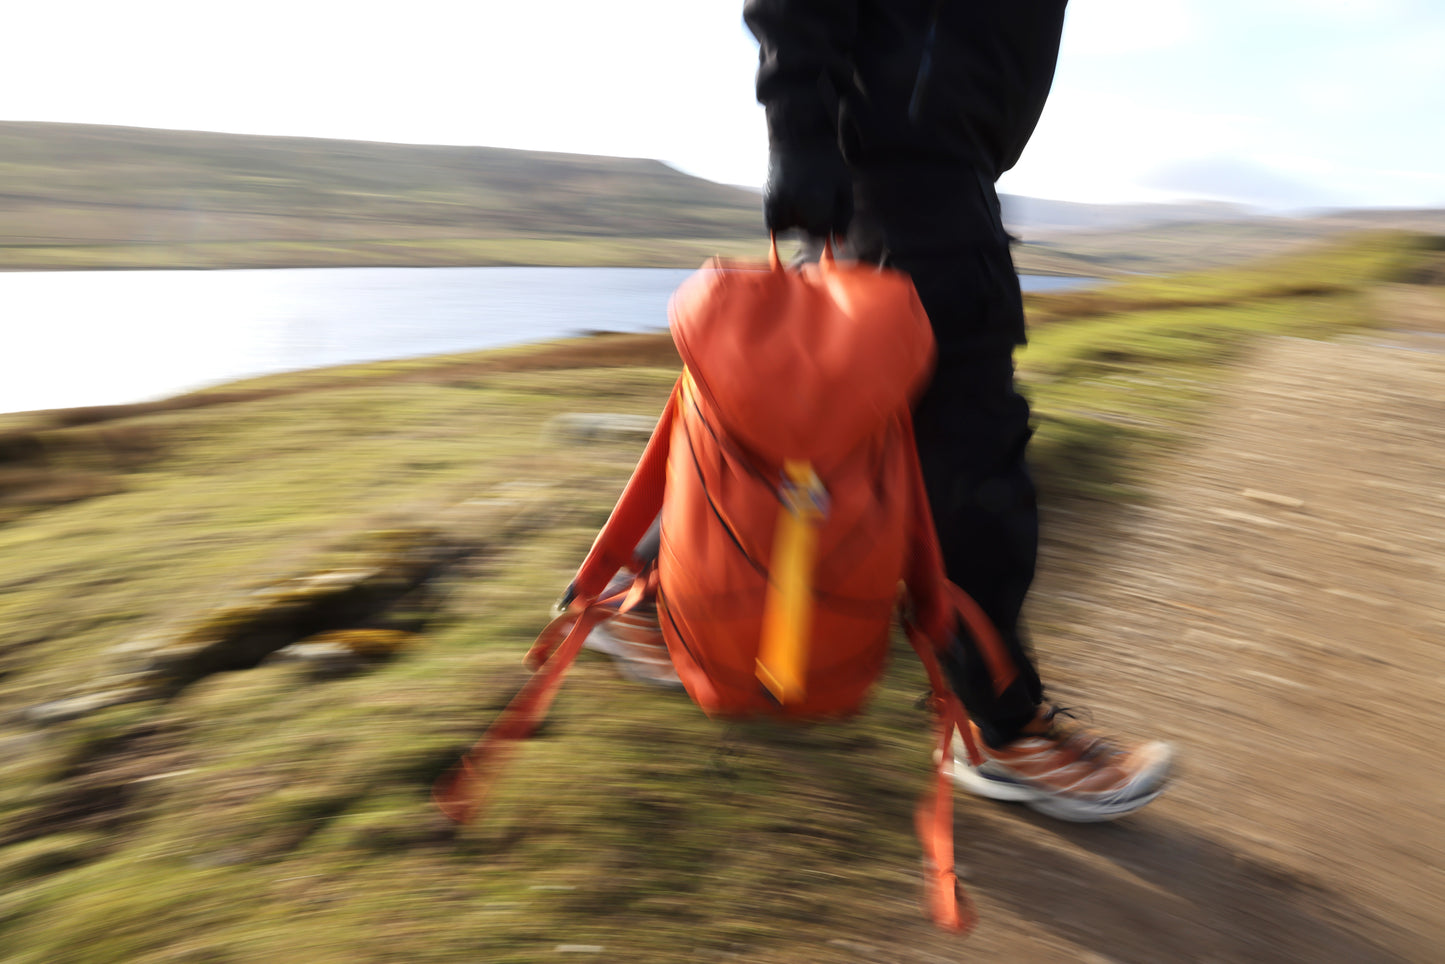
x=1279, y=104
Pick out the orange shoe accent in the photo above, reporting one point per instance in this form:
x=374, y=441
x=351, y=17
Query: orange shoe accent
x=1067, y=772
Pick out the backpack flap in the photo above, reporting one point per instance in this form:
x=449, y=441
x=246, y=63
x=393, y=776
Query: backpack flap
x=802, y=364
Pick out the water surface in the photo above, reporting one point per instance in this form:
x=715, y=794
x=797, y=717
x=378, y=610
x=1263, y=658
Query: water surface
x=70, y=338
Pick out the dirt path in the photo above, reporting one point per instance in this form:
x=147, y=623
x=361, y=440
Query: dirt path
x=1276, y=610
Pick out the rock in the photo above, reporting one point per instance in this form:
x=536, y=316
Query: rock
x=309, y=652
x=59, y=711
x=242, y=633
x=322, y=661
x=586, y=427
x=372, y=643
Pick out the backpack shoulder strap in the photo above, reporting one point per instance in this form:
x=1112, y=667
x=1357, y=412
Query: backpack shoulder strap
x=460, y=791
x=634, y=513
x=939, y=610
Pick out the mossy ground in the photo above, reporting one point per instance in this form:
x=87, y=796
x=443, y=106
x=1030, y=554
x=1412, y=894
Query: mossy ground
x=264, y=814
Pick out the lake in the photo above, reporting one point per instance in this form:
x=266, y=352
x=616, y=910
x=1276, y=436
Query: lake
x=70, y=338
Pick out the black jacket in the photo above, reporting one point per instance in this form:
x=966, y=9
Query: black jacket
x=929, y=100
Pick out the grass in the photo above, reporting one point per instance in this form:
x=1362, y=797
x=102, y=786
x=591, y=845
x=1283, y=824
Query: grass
x=1120, y=372
x=274, y=814
x=1340, y=267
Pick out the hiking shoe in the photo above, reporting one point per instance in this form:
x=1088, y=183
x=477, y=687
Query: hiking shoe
x=634, y=641
x=1064, y=771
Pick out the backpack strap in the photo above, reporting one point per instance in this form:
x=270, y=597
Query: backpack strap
x=939, y=610
x=948, y=902
x=636, y=510
x=460, y=791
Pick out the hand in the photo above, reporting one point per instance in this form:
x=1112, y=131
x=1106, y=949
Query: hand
x=809, y=189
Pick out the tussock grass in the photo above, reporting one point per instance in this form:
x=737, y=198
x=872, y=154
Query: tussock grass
x=1340, y=266
x=1117, y=372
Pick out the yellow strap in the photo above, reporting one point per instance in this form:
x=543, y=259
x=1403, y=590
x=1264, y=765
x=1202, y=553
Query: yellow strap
x=788, y=608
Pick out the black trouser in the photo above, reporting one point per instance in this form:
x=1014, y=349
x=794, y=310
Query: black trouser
x=942, y=225
x=973, y=428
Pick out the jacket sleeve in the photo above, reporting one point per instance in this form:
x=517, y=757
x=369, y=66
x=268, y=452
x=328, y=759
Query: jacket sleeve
x=805, y=59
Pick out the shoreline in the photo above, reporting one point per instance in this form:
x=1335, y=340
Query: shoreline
x=690, y=254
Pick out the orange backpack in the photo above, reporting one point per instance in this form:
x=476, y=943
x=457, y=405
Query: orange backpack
x=793, y=515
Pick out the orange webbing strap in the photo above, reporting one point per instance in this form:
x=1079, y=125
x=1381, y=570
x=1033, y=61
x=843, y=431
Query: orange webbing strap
x=643, y=585
x=1000, y=665
x=634, y=513
x=782, y=663
x=460, y=791
x=948, y=903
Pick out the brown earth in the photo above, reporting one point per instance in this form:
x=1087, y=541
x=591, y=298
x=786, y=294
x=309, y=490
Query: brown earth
x=1274, y=610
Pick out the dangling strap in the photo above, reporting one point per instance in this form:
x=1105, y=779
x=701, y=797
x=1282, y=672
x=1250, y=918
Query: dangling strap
x=938, y=608
x=948, y=902
x=460, y=792
x=642, y=587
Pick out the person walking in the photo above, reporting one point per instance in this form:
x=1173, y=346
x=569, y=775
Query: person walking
x=889, y=122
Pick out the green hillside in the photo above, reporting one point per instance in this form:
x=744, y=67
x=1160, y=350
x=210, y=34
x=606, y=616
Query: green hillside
x=89, y=196
x=85, y=196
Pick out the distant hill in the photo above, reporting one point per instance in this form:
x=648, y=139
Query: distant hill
x=85, y=196
x=1033, y=215
x=1062, y=237
x=1167, y=247
x=185, y=197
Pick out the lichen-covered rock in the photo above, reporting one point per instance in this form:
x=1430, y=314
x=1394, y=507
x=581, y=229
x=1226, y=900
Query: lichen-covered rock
x=384, y=580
